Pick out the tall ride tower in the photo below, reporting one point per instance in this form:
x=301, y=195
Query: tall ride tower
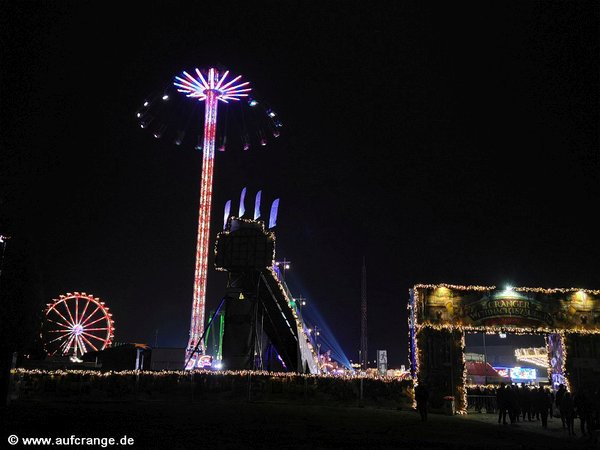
x=363, y=318
x=211, y=89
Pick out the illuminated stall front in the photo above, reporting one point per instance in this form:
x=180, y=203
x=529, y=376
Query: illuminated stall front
x=440, y=315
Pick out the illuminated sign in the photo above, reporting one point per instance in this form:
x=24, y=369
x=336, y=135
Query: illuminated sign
x=205, y=361
x=497, y=308
x=382, y=361
x=522, y=373
x=503, y=371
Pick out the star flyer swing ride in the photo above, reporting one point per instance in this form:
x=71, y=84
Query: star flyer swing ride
x=210, y=87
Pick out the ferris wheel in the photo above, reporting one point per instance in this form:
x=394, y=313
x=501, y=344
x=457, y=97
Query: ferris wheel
x=77, y=323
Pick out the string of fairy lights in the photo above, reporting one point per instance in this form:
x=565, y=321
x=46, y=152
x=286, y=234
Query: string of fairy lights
x=537, y=290
x=461, y=389
x=491, y=387
x=548, y=358
x=186, y=374
x=564, y=361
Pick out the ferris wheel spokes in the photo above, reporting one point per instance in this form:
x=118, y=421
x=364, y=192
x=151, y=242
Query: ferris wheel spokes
x=85, y=307
x=75, y=326
x=73, y=321
x=89, y=343
x=92, y=323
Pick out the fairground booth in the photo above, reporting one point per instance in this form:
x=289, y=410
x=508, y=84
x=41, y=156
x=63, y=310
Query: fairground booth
x=440, y=316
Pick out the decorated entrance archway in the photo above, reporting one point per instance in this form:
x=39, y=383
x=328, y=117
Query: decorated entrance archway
x=439, y=315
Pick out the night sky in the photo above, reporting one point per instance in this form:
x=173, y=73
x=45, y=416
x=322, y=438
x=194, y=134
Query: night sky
x=444, y=141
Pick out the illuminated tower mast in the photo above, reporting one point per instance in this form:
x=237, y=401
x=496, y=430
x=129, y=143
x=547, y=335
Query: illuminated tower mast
x=210, y=88
x=363, y=318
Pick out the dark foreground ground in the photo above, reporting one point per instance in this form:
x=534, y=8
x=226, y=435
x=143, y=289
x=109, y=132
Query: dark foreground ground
x=238, y=425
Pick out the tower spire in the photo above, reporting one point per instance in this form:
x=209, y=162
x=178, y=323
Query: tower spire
x=363, y=317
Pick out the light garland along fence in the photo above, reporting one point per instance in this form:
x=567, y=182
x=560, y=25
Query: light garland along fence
x=128, y=386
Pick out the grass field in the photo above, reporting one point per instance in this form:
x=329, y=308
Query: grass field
x=239, y=424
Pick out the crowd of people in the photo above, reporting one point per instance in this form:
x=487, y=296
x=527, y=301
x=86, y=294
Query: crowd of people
x=524, y=403
x=527, y=403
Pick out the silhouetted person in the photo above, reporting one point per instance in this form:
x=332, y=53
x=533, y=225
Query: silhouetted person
x=525, y=401
x=421, y=397
x=559, y=396
x=542, y=403
x=513, y=403
x=502, y=403
x=594, y=426
x=583, y=410
x=567, y=410
x=535, y=412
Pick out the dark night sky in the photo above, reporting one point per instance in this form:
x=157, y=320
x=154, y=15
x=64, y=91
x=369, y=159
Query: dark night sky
x=446, y=141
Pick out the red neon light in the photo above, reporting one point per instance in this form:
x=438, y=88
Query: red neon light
x=211, y=90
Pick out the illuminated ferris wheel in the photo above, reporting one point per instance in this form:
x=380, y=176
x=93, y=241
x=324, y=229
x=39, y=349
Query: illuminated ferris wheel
x=77, y=323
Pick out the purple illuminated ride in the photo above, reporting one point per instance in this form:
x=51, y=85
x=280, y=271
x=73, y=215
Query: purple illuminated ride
x=166, y=114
